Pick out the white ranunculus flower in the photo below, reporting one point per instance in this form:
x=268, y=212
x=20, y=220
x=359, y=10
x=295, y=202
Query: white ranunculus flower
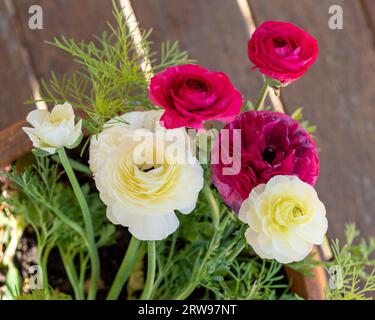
x=55, y=129
x=144, y=195
x=285, y=218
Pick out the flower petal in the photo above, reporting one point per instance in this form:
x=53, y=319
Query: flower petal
x=37, y=117
x=153, y=227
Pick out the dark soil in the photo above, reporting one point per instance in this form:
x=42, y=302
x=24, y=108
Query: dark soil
x=26, y=255
x=110, y=257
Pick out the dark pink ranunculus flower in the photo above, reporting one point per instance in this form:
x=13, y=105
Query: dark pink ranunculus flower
x=272, y=143
x=282, y=51
x=191, y=94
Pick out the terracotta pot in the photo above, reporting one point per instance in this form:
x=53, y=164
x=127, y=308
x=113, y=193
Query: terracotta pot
x=309, y=287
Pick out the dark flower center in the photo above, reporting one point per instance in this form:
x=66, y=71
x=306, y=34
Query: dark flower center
x=279, y=42
x=269, y=154
x=196, y=84
x=148, y=167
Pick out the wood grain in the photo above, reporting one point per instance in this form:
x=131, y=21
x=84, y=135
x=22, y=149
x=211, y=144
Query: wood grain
x=80, y=20
x=13, y=143
x=24, y=51
x=369, y=11
x=15, y=87
x=213, y=32
x=338, y=96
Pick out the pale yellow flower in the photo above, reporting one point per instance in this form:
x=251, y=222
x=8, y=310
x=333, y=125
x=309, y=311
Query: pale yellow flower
x=55, y=129
x=140, y=194
x=285, y=218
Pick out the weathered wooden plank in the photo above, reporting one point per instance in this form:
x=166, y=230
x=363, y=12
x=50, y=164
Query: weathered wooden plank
x=73, y=19
x=79, y=20
x=369, y=11
x=338, y=96
x=214, y=33
x=15, y=85
x=13, y=143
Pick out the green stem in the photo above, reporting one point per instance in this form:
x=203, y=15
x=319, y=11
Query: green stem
x=236, y=251
x=69, y=222
x=262, y=96
x=82, y=271
x=92, y=249
x=213, y=204
x=165, y=268
x=151, y=266
x=72, y=275
x=43, y=264
x=125, y=269
x=77, y=166
x=187, y=291
x=195, y=279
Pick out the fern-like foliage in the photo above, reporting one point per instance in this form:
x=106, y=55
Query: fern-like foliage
x=50, y=207
x=110, y=79
x=353, y=267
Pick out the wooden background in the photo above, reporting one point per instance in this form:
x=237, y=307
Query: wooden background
x=338, y=93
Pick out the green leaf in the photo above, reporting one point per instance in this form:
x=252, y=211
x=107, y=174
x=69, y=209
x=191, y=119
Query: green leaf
x=249, y=106
x=40, y=152
x=273, y=82
x=297, y=114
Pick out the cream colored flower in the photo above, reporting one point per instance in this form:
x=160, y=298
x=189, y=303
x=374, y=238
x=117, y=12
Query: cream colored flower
x=140, y=194
x=55, y=129
x=285, y=218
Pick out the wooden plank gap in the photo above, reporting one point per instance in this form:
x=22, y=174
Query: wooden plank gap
x=136, y=34
x=251, y=26
x=368, y=8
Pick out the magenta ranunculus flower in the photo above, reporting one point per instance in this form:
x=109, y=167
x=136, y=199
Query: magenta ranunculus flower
x=191, y=94
x=271, y=144
x=282, y=51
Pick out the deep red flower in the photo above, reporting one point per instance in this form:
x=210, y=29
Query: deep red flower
x=272, y=143
x=191, y=95
x=282, y=51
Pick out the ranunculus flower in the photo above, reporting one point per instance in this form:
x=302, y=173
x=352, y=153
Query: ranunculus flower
x=272, y=143
x=139, y=194
x=285, y=218
x=55, y=129
x=191, y=94
x=282, y=51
